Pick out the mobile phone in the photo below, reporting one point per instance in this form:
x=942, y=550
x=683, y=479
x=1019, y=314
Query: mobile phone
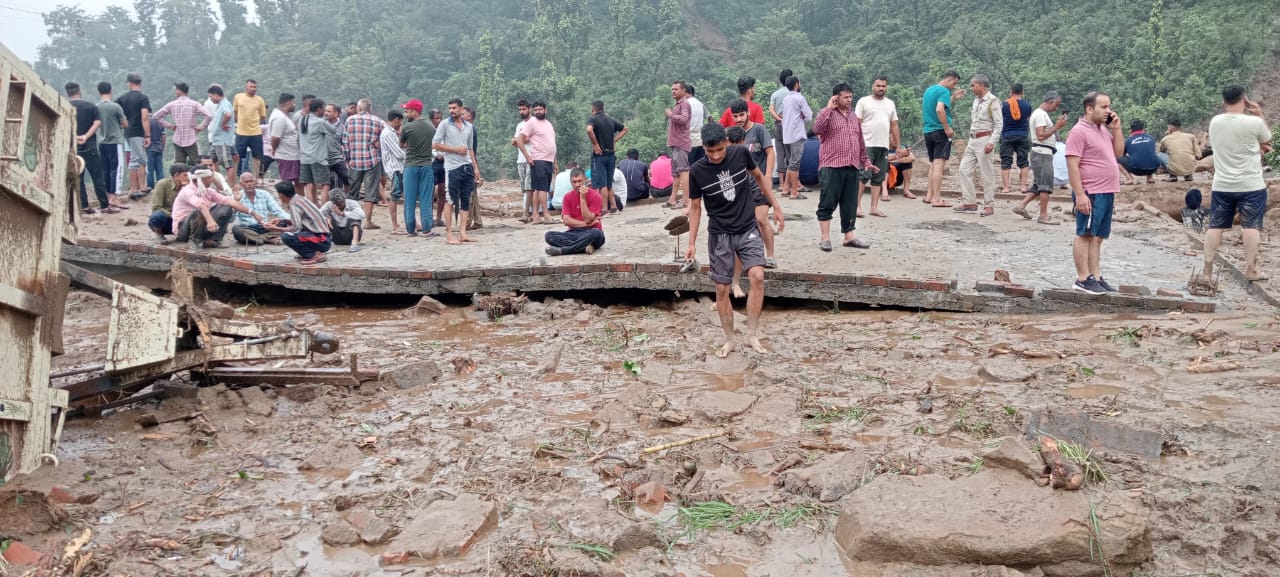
x=1111, y=118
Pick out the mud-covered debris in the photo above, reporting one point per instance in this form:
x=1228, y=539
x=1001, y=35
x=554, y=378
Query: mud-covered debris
x=1002, y=276
x=718, y=406
x=419, y=374
x=446, y=528
x=499, y=305
x=257, y=402
x=218, y=309
x=830, y=479
x=463, y=366
x=1012, y=454
x=1063, y=473
x=79, y=496
x=651, y=493
x=339, y=533
x=341, y=457
x=218, y=397
x=637, y=536
x=428, y=306
x=373, y=530
x=1006, y=370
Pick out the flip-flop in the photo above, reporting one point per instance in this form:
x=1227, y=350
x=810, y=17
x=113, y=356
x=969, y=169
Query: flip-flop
x=469, y=240
x=908, y=195
x=884, y=198
x=432, y=234
x=372, y=227
x=689, y=266
x=944, y=204
x=879, y=213
x=400, y=233
x=860, y=214
x=800, y=197
x=1258, y=278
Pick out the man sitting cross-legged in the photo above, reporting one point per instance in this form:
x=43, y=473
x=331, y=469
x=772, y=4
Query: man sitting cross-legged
x=721, y=180
x=580, y=212
x=344, y=217
x=247, y=230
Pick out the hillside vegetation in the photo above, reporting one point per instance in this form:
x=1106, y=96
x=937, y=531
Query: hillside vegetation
x=1158, y=58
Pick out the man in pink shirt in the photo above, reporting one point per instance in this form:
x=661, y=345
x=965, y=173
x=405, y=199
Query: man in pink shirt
x=1093, y=146
x=537, y=143
x=201, y=214
x=180, y=115
x=679, y=142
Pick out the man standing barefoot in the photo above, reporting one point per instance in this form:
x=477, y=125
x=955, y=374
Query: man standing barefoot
x=1240, y=136
x=938, y=132
x=723, y=178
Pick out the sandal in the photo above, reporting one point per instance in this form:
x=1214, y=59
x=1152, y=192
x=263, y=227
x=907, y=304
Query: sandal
x=879, y=213
x=988, y=211
x=906, y=194
x=884, y=198
x=825, y=246
x=315, y=260
x=860, y=214
x=800, y=197
x=770, y=263
x=400, y=232
x=857, y=243
x=941, y=204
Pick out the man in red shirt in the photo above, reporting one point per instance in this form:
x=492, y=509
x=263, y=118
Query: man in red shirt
x=747, y=90
x=581, y=213
x=842, y=156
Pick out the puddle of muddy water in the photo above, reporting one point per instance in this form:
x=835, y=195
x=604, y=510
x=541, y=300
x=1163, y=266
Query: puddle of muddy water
x=730, y=570
x=1095, y=391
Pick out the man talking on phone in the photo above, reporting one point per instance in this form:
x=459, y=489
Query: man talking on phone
x=1093, y=146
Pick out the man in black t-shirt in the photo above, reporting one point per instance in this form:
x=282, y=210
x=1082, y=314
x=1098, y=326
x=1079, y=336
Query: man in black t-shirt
x=87, y=123
x=722, y=180
x=137, y=110
x=604, y=132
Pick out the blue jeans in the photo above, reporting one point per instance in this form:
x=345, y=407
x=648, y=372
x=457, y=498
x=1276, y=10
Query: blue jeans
x=306, y=243
x=575, y=240
x=419, y=188
x=160, y=222
x=155, y=167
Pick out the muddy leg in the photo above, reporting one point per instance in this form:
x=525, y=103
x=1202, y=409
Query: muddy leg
x=725, y=309
x=755, y=302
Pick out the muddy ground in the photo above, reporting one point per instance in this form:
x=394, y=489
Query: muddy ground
x=532, y=438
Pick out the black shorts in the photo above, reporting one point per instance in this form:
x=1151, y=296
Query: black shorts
x=1127, y=163
x=462, y=184
x=879, y=157
x=938, y=145
x=722, y=248
x=246, y=144
x=1014, y=146
x=438, y=169
x=602, y=166
x=541, y=174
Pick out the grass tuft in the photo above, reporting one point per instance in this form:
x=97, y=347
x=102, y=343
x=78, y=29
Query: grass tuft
x=1131, y=336
x=1093, y=471
x=596, y=550
x=832, y=414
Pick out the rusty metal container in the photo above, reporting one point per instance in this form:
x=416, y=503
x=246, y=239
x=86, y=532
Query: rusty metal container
x=37, y=212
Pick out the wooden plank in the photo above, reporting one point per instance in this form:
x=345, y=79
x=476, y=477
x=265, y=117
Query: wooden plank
x=15, y=410
x=18, y=299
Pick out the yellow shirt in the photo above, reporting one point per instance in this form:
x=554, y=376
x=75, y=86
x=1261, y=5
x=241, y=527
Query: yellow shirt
x=1182, y=151
x=250, y=110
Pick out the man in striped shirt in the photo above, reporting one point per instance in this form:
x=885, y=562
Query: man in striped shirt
x=307, y=232
x=393, y=164
x=360, y=143
x=180, y=115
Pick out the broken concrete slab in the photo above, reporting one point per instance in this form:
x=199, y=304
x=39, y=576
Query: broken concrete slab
x=257, y=402
x=414, y=375
x=930, y=520
x=722, y=405
x=656, y=373
x=446, y=528
x=218, y=397
x=830, y=479
x=1081, y=428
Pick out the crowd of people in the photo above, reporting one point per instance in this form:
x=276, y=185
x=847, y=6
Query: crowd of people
x=338, y=164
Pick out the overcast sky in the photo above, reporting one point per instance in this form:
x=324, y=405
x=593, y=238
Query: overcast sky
x=24, y=28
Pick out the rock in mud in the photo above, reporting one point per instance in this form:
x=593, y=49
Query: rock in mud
x=418, y=374
x=933, y=521
x=831, y=479
x=656, y=373
x=1012, y=454
x=428, y=306
x=373, y=530
x=339, y=534
x=256, y=402
x=218, y=397
x=446, y=528
x=341, y=457
x=723, y=405
x=218, y=310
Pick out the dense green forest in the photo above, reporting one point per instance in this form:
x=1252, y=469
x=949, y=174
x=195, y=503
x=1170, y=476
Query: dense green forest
x=1158, y=58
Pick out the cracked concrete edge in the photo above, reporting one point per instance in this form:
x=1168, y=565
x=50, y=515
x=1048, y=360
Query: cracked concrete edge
x=803, y=286
x=1254, y=289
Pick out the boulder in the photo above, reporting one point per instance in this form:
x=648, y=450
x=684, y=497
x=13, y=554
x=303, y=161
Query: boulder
x=339, y=534
x=1014, y=455
x=256, y=402
x=992, y=518
x=414, y=375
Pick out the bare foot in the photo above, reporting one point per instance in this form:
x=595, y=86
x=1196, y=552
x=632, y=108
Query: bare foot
x=451, y=240
x=738, y=292
x=466, y=238
x=725, y=350
x=756, y=346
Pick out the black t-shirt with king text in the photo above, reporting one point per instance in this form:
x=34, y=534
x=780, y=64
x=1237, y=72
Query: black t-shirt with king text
x=725, y=190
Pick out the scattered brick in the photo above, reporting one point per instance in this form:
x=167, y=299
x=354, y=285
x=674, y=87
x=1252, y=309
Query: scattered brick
x=1168, y=292
x=1017, y=290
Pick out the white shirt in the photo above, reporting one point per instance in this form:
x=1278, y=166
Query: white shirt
x=519, y=157
x=212, y=109
x=1059, y=164
x=280, y=125
x=1040, y=118
x=697, y=119
x=876, y=116
x=620, y=187
x=392, y=154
